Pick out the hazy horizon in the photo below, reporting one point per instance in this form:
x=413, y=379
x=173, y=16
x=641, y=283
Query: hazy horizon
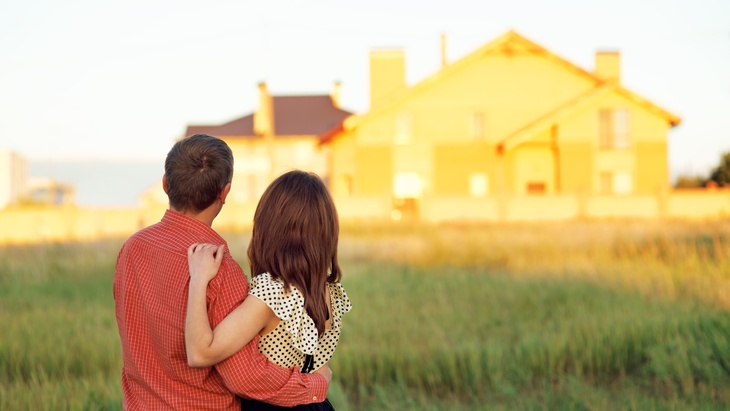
x=101, y=183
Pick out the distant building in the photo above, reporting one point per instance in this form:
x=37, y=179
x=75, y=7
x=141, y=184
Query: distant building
x=13, y=177
x=282, y=134
x=497, y=135
x=46, y=191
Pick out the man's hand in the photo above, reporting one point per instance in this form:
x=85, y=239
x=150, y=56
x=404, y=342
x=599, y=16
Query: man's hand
x=326, y=372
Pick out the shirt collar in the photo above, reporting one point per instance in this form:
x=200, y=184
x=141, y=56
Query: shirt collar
x=194, y=227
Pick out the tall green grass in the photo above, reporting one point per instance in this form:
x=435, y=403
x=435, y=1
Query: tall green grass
x=59, y=348
x=578, y=316
x=476, y=334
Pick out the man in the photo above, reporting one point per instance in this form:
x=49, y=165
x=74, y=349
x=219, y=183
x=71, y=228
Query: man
x=151, y=289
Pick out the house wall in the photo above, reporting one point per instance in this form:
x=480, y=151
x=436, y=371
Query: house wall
x=341, y=161
x=513, y=87
x=440, y=145
x=532, y=164
x=576, y=161
x=511, y=90
x=454, y=164
x=651, y=166
x=373, y=171
x=645, y=158
x=13, y=177
x=253, y=168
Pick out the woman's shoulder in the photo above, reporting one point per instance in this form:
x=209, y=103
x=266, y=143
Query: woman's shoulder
x=266, y=280
x=284, y=302
x=340, y=301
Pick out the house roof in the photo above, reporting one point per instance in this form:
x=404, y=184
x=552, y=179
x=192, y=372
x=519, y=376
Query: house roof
x=506, y=44
x=328, y=135
x=293, y=116
x=239, y=127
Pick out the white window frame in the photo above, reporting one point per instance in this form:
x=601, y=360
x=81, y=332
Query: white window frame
x=477, y=125
x=478, y=185
x=403, y=129
x=614, y=129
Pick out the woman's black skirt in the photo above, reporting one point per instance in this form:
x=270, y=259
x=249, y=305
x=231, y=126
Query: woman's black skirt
x=251, y=405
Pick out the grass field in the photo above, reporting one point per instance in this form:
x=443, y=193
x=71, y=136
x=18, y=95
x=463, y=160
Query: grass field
x=571, y=316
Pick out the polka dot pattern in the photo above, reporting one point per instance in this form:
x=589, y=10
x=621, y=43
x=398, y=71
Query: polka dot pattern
x=296, y=335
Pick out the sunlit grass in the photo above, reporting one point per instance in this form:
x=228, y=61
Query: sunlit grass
x=571, y=316
x=478, y=334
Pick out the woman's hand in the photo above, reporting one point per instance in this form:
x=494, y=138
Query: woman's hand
x=326, y=372
x=204, y=261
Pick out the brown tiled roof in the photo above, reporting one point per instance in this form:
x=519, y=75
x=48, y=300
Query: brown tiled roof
x=239, y=127
x=330, y=134
x=293, y=115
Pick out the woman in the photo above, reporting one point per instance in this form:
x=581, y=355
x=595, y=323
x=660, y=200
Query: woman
x=296, y=301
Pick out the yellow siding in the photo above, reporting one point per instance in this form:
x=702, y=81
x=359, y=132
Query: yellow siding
x=651, y=170
x=454, y=164
x=576, y=161
x=342, y=165
x=255, y=165
x=533, y=164
x=387, y=74
x=373, y=176
x=379, y=131
x=542, y=110
x=495, y=85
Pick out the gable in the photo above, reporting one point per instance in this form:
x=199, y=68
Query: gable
x=513, y=80
x=581, y=121
x=506, y=88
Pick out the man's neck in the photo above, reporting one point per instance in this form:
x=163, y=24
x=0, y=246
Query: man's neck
x=205, y=216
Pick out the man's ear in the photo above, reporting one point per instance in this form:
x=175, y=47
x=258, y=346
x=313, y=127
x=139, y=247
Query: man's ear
x=224, y=193
x=164, y=183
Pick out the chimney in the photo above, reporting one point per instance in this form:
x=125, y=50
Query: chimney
x=335, y=94
x=608, y=65
x=443, y=50
x=263, y=118
x=387, y=74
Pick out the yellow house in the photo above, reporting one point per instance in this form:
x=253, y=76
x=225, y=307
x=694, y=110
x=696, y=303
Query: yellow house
x=507, y=132
x=282, y=134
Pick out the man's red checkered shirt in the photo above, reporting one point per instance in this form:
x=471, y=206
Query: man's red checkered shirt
x=151, y=292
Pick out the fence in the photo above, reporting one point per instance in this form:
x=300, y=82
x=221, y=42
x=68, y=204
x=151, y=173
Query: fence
x=70, y=223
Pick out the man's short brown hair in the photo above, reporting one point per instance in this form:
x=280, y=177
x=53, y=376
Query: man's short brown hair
x=197, y=168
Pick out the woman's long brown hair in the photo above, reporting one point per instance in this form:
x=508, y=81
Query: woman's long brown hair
x=295, y=234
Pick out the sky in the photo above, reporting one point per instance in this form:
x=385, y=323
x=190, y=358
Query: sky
x=120, y=81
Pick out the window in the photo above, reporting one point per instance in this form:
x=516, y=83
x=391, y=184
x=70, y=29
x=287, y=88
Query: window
x=477, y=124
x=478, y=185
x=613, y=128
x=620, y=183
x=303, y=153
x=403, y=125
x=536, y=187
x=407, y=184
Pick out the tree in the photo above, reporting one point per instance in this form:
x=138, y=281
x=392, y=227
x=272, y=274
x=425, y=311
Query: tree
x=721, y=174
x=689, y=182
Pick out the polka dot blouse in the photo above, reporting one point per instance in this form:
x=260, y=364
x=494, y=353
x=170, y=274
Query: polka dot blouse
x=296, y=335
